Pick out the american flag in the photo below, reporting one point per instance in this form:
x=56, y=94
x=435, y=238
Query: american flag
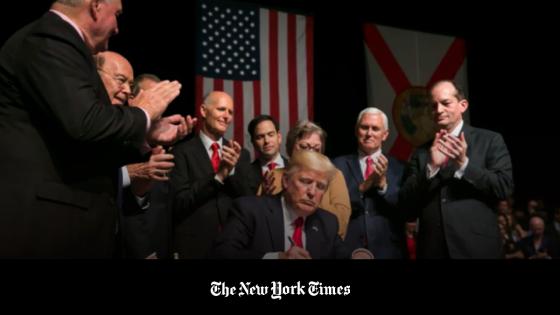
x=262, y=58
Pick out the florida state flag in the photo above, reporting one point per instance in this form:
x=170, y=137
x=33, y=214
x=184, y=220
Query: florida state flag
x=400, y=65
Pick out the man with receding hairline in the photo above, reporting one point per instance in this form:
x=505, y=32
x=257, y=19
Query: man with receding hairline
x=453, y=183
x=58, y=183
x=210, y=171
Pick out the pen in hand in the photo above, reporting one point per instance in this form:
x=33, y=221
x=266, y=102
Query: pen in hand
x=291, y=241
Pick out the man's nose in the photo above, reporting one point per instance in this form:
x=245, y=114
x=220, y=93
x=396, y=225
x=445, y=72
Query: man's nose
x=127, y=90
x=228, y=116
x=311, y=190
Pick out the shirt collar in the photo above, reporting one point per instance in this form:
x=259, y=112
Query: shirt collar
x=374, y=156
x=289, y=214
x=207, y=142
x=69, y=21
x=457, y=131
x=278, y=160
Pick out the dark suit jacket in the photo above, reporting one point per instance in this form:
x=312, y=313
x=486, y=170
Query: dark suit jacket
x=255, y=175
x=462, y=209
x=383, y=225
x=146, y=231
x=256, y=226
x=201, y=203
x=549, y=245
x=63, y=143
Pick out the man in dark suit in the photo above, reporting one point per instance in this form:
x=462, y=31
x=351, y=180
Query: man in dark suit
x=373, y=183
x=209, y=173
x=290, y=226
x=64, y=141
x=137, y=219
x=453, y=183
x=266, y=139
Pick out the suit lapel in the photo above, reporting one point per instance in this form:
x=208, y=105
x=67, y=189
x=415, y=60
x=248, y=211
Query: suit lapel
x=468, y=138
x=313, y=236
x=256, y=165
x=354, y=166
x=199, y=154
x=275, y=221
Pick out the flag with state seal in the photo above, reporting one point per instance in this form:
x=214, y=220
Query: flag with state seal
x=401, y=64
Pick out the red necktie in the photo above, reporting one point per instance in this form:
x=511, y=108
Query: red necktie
x=369, y=168
x=215, y=156
x=411, y=247
x=297, y=237
x=271, y=166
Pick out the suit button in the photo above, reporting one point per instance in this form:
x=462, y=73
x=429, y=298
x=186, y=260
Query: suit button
x=443, y=200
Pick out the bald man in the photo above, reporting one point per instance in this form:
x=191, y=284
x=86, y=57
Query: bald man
x=117, y=74
x=209, y=173
x=135, y=219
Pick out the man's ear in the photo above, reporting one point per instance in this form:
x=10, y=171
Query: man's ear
x=385, y=135
x=203, y=110
x=464, y=105
x=94, y=8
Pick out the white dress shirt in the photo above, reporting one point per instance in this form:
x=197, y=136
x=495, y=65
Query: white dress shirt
x=431, y=173
x=289, y=216
x=207, y=142
x=362, y=158
x=278, y=160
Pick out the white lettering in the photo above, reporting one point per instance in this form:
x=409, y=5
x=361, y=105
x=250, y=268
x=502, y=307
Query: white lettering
x=248, y=289
x=220, y=289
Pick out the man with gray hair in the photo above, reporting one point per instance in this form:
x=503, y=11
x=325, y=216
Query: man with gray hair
x=373, y=183
x=58, y=184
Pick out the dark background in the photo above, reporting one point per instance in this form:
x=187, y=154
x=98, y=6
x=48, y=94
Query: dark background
x=512, y=66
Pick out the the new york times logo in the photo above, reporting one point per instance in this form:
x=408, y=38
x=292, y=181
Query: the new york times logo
x=276, y=289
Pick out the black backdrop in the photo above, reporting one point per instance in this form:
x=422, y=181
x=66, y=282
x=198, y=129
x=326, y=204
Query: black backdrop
x=512, y=65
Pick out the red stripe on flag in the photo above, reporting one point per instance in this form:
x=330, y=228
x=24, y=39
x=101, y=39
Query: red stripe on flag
x=292, y=70
x=238, y=122
x=451, y=62
x=273, y=64
x=257, y=98
x=310, y=78
x=401, y=149
x=388, y=63
x=218, y=85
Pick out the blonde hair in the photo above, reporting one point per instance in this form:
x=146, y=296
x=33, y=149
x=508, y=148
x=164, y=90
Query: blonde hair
x=310, y=160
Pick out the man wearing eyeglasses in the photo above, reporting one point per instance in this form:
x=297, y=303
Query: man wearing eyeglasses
x=137, y=179
x=117, y=76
